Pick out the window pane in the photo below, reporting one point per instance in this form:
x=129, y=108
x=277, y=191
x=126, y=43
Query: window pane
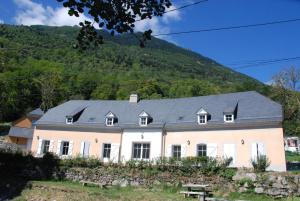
x=106, y=150
x=65, y=149
x=46, y=146
x=137, y=150
x=202, y=150
x=146, y=151
x=176, y=151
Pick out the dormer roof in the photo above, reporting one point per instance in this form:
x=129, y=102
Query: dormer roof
x=201, y=112
x=110, y=114
x=144, y=114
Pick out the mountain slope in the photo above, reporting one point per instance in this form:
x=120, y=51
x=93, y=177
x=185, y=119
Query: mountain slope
x=39, y=66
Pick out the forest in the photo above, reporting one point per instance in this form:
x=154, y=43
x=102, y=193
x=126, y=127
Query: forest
x=39, y=67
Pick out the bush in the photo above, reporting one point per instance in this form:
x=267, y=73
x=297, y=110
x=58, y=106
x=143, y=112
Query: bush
x=261, y=163
x=79, y=161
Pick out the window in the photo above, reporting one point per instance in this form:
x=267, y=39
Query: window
x=141, y=151
x=202, y=119
x=65, y=148
x=46, y=146
x=201, y=150
x=106, y=150
x=69, y=120
x=228, y=118
x=292, y=143
x=143, y=121
x=109, y=121
x=176, y=151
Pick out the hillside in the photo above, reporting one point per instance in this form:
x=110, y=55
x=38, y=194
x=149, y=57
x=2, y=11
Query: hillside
x=39, y=66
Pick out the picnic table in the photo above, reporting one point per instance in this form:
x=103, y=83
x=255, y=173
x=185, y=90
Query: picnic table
x=199, y=190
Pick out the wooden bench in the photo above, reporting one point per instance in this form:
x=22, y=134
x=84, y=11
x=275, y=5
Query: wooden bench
x=201, y=195
x=85, y=183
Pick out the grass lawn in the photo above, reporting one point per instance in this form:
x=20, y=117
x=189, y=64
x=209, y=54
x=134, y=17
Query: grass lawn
x=291, y=156
x=60, y=191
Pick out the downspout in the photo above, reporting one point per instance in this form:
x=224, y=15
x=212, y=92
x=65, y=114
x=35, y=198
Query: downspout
x=163, y=142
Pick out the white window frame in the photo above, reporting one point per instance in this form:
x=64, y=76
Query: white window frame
x=107, y=150
x=69, y=120
x=43, y=146
x=202, y=150
x=228, y=121
x=109, y=121
x=143, y=123
x=62, y=148
x=176, y=145
x=200, y=120
x=142, y=149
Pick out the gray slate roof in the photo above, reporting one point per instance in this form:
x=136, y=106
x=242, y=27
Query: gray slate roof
x=37, y=112
x=20, y=132
x=251, y=107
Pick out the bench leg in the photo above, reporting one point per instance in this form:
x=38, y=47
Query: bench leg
x=201, y=197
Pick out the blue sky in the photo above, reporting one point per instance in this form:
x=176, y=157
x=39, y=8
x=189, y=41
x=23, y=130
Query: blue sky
x=226, y=47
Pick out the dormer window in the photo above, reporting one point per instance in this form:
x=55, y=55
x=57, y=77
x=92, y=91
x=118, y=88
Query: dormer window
x=69, y=120
x=144, y=119
x=202, y=116
x=110, y=119
x=229, y=118
x=202, y=119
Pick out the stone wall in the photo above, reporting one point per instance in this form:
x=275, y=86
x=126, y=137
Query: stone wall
x=274, y=184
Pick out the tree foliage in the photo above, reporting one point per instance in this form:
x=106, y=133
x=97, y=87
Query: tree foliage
x=117, y=16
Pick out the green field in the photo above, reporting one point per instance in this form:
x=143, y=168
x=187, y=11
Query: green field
x=59, y=191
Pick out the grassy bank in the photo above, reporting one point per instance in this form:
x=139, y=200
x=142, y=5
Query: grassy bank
x=63, y=190
x=292, y=156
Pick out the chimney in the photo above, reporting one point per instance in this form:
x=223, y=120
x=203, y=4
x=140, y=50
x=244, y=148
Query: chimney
x=134, y=98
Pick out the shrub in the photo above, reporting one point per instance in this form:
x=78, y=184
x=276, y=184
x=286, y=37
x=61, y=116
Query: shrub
x=79, y=161
x=261, y=163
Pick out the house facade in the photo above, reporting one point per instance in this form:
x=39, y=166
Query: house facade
x=21, y=131
x=292, y=144
x=238, y=125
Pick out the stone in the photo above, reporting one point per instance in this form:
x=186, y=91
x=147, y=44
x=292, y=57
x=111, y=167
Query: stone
x=134, y=183
x=124, y=183
x=156, y=182
x=115, y=182
x=277, y=185
x=259, y=190
x=242, y=190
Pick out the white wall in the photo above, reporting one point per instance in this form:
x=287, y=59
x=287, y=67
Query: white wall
x=154, y=137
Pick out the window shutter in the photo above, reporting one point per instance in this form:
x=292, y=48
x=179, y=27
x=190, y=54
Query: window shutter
x=257, y=149
x=212, y=150
x=114, y=155
x=70, y=151
x=169, y=151
x=39, y=151
x=183, y=150
x=82, y=148
x=51, y=145
x=229, y=151
x=58, y=151
x=86, y=149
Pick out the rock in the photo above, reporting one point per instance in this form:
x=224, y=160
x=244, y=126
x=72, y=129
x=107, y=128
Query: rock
x=115, y=183
x=156, y=182
x=242, y=190
x=259, y=190
x=277, y=185
x=124, y=183
x=134, y=183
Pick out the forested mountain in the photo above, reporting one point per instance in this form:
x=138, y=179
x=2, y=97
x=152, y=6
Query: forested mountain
x=40, y=67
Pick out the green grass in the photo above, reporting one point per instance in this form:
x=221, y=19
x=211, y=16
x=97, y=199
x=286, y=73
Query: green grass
x=255, y=197
x=65, y=190
x=291, y=156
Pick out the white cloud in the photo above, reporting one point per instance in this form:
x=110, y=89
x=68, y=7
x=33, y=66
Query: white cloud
x=1, y=21
x=31, y=13
x=159, y=25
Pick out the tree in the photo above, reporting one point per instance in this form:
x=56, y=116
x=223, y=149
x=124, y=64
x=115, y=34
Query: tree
x=116, y=16
x=286, y=84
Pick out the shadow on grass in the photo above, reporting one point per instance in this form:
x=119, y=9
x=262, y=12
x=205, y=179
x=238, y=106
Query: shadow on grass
x=17, y=168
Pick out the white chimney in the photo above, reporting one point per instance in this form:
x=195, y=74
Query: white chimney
x=134, y=98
